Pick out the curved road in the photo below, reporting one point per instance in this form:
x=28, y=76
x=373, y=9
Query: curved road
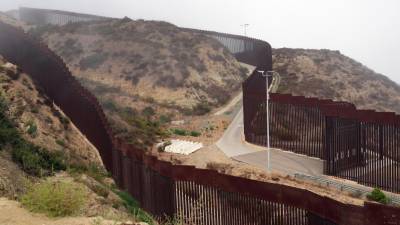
x=232, y=143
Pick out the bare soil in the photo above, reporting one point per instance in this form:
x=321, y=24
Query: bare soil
x=11, y=213
x=211, y=157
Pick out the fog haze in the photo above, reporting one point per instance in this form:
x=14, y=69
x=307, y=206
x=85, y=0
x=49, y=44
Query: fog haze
x=366, y=30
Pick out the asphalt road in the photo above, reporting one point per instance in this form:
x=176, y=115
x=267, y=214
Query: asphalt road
x=233, y=145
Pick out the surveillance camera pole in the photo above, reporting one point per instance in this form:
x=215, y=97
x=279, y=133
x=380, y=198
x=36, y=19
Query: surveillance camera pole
x=267, y=74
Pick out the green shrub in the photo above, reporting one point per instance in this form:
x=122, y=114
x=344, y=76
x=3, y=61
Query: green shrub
x=100, y=190
x=378, y=196
x=55, y=199
x=180, y=132
x=110, y=105
x=37, y=161
x=34, y=110
x=165, y=119
x=93, y=61
x=8, y=133
x=195, y=133
x=201, y=108
x=148, y=111
x=60, y=143
x=133, y=207
x=32, y=129
x=92, y=170
x=31, y=158
x=64, y=120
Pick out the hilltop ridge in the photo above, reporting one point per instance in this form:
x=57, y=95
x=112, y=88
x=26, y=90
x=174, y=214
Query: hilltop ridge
x=332, y=75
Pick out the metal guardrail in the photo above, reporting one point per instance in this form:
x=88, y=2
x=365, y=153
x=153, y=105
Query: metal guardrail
x=356, y=189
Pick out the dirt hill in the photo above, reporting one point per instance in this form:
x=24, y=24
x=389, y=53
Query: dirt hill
x=147, y=59
x=39, y=120
x=153, y=70
x=330, y=74
x=33, y=127
x=40, y=145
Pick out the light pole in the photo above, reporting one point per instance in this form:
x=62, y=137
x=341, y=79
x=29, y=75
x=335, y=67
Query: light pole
x=267, y=74
x=245, y=28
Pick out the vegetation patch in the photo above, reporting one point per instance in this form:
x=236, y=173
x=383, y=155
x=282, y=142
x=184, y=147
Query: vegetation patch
x=133, y=207
x=32, y=129
x=92, y=170
x=33, y=159
x=378, y=196
x=180, y=132
x=93, y=61
x=183, y=132
x=201, y=108
x=194, y=133
x=37, y=161
x=55, y=199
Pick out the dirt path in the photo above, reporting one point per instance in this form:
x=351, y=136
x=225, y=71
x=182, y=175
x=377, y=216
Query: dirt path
x=238, y=97
x=230, y=105
x=11, y=213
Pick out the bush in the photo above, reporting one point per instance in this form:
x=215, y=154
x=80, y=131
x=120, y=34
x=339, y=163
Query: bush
x=378, y=196
x=180, y=132
x=92, y=170
x=110, y=105
x=34, y=109
x=201, y=108
x=195, y=133
x=64, y=120
x=37, y=161
x=93, y=61
x=55, y=199
x=148, y=111
x=8, y=133
x=165, y=119
x=32, y=129
x=60, y=143
x=133, y=207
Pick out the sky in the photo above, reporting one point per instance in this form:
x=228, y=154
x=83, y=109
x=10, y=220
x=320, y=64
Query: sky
x=366, y=30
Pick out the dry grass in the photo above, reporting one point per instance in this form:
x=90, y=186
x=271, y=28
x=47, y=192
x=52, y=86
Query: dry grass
x=55, y=199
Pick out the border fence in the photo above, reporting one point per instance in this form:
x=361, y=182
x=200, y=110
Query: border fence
x=200, y=196
x=358, y=145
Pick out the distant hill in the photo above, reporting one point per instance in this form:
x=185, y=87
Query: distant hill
x=149, y=59
x=147, y=69
x=330, y=74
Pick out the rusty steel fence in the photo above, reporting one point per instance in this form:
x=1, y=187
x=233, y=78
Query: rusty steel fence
x=55, y=17
x=199, y=196
x=359, y=145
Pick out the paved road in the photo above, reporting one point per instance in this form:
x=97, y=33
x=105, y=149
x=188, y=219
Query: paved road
x=233, y=145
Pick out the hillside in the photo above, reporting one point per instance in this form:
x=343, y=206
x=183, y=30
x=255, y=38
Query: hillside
x=40, y=121
x=41, y=151
x=330, y=74
x=6, y=18
x=148, y=69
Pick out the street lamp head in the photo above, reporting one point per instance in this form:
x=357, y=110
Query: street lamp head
x=261, y=71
